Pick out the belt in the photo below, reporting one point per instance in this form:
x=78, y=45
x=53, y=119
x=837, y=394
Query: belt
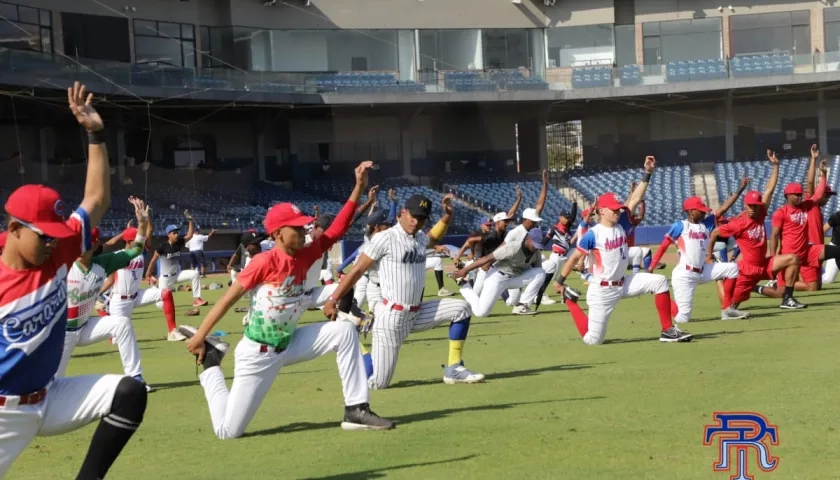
x=400, y=308
x=268, y=348
x=28, y=399
x=618, y=283
x=693, y=269
x=171, y=275
x=128, y=297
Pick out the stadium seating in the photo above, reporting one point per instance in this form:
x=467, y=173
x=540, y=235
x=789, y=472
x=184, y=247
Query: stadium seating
x=630, y=75
x=588, y=77
x=728, y=177
x=691, y=70
x=762, y=65
x=669, y=186
x=365, y=82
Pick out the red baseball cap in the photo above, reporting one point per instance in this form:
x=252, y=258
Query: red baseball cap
x=285, y=215
x=793, y=189
x=695, y=203
x=753, y=197
x=609, y=200
x=129, y=234
x=3, y=239
x=42, y=208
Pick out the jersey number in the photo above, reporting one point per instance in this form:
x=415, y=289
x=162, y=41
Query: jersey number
x=623, y=253
x=134, y=274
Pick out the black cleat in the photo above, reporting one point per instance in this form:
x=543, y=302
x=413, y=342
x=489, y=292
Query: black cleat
x=674, y=334
x=360, y=417
x=792, y=304
x=214, y=349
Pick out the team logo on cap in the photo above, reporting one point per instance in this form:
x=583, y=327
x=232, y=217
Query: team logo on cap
x=58, y=208
x=296, y=209
x=424, y=204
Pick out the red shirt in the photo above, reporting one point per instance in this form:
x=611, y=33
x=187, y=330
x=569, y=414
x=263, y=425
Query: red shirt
x=816, y=236
x=289, y=273
x=793, y=221
x=750, y=236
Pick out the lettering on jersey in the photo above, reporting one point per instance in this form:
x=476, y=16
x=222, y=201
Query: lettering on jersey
x=613, y=243
x=136, y=263
x=172, y=255
x=27, y=328
x=799, y=218
x=289, y=289
x=697, y=235
x=756, y=233
x=414, y=256
x=78, y=297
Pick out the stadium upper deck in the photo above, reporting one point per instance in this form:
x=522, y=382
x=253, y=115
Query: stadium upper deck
x=406, y=51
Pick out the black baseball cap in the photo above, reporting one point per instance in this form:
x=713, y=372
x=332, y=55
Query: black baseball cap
x=250, y=238
x=379, y=218
x=419, y=206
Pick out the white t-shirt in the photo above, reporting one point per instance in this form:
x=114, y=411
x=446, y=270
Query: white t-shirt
x=516, y=234
x=196, y=243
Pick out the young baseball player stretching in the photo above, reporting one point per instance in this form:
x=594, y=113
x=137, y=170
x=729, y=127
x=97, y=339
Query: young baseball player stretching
x=692, y=236
x=273, y=338
x=605, y=244
x=40, y=247
x=169, y=266
x=401, y=254
x=816, y=233
x=83, y=285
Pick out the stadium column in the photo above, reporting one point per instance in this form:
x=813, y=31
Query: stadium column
x=542, y=143
x=729, y=127
x=121, y=153
x=46, y=137
x=406, y=139
x=822, y=121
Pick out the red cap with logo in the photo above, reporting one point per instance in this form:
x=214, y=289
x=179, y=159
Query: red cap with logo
x=695, y=203
x=285, y=215
x=129, y=234
x=41, y=207
x=609, y=200
x=793, y=189
x=753, y=197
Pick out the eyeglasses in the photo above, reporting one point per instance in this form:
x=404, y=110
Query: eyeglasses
x=41, y=235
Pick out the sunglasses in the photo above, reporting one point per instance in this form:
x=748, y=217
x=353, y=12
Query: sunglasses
x=45, y=238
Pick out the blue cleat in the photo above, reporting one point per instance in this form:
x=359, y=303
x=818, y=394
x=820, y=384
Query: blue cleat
x=460, y=374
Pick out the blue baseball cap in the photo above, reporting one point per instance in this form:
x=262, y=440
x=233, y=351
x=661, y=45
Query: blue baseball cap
x=379, y=218
x=486, y=221
x=537, y=236
x=172, y=228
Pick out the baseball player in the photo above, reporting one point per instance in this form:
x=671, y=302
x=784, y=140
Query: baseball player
x=833, y=224
x=515, y=265
x=126, y=294
x=84, y=282
x=749, y=233
x=530, y=219
x=692, y=237
x=273, y=337
x=434, y=261
x=606, y=246
x=250, y=244
x=815, y=223
x=196, y=247
x=401, y=255
x=40, y=247
x=169, y=270
x=559, y=237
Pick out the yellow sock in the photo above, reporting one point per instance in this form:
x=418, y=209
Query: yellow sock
x=455, y=349
x=365, y=350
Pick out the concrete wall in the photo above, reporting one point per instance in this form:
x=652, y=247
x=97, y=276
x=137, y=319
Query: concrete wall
x=659, y=10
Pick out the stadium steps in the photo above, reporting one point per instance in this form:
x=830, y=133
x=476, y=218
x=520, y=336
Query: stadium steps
x=703, y=176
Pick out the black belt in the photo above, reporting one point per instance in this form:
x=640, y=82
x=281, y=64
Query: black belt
x=128, y=297
x=268, y=348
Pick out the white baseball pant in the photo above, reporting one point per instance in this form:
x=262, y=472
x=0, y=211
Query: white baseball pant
x=256, y=366
x=374, y=295
x=434, y=263
x=360, y=290
x=830, y=272
x=124, y=307
x=496, y=282
x=99, y=329
x=602, y=300
x=70, y=404
x=685, y=281
x=551, y=266
x=326, y=275
x=318, y=296
x=233, y=274
x=169, y=281
x=480, y=277
x=637, y=257
x=392, y=327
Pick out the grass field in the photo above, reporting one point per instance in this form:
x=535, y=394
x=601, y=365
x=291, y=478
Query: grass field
x=551, y=407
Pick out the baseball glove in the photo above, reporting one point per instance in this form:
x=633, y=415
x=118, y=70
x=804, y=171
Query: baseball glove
x=192, y=312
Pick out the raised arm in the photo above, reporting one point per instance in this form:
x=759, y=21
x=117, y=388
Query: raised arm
x=821, y=186
x=673, y=233
x=773, y=180
x=515, y=208
x=721, y=211
x=111, y=262
x=97, y=197
x=392, y=211
x=543, y=193
x=190, y=225
x=812, y=170
x=370, y=202
x=344, y=218
x=363, y=263
x=439, y=230
x=639, y=193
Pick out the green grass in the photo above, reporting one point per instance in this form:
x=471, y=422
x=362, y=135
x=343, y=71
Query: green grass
x=550, y=408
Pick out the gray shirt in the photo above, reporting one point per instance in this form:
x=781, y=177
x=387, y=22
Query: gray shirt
x=513, y=260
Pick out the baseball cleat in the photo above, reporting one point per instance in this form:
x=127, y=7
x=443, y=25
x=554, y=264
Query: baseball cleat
x=361, y=417
x=175, y=336
x=214, y=349
x=199, y=302
x=732, y=313
x=546, y=300
x=674, y=334
x=522, y=309
x=444, y=293
x=771, y=284
x=458, y=373
x=792, y=304
x=140, y=379
x=571, y=294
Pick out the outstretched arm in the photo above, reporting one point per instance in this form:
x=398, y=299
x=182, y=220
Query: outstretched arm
x=543, y=193
x=773, y=180
x=720, y=212
x=439, y=230
x=515, y=208
x=810, y=177
x=98, y=181
x=639, y=193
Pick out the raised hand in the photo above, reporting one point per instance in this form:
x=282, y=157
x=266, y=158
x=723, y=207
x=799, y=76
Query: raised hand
x=545, y=176
x=80, y=104
x=823, y=167
x=745, y=181
x=447, y=203
x=815, y=151
x=771, y=155
x=518, y=192
x=392, y=194
x=361, y=173
x=188, y=215
x=650, y=164
x=373, y=191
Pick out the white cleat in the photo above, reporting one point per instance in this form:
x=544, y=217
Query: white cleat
x=732, y=313
x=546, y=300
x=444, y=293
x=175, y=336
x=522, y=310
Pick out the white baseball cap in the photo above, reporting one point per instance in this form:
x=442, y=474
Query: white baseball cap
x=500, y=217
x=531, y=214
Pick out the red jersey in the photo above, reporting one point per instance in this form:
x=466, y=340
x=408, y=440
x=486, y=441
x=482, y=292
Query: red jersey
x=793, y=222
x=816, y=235
x=750, y=236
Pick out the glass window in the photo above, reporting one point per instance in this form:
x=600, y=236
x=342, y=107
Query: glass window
x=158, y=50
x=171, y=30
x=188, y=53
x=20, y=36
x=9, y=11
x=46, y=40
x=787, y=32
x=46, y=18
x=29, y=15
x=145, y=27
x=584, y=45
x=696, y=39
x=187, y=31
x=832, y=36
x=832, y=14
x=652, y=51
x=494, y=48
x=429, y=50
x=625, y=45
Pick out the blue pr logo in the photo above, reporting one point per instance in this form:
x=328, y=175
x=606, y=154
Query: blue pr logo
x=738, y=433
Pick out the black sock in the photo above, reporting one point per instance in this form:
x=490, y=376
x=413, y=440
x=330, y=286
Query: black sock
x=115, y=429
x=757, y=289
x=439, y=278
x=346, y=302
x=543, y=287
x=788, y=292
x=832, y=251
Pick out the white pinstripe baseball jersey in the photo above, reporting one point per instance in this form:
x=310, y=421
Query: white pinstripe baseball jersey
x=402, y=264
